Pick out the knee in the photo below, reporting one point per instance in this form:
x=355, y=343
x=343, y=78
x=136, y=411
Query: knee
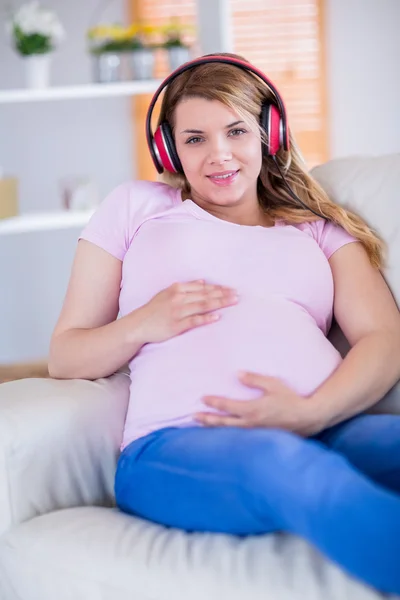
x=287, y=470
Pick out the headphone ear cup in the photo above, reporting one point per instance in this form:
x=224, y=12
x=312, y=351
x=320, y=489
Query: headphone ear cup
x=165, y=150
x=272, y=125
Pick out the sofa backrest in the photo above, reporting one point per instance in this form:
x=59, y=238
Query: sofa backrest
x=370, y=186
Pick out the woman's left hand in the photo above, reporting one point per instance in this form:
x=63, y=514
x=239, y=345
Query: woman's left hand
x=278, y=407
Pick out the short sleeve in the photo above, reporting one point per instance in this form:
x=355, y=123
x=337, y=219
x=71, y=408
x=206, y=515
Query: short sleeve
x=113, y=225
x=329, y=236
x=108, y=228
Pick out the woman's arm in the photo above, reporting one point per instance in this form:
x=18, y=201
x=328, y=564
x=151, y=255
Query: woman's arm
x=369, y=318
x=88, y=342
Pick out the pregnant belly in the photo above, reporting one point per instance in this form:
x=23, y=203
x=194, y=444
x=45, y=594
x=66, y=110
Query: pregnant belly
x=276, y=338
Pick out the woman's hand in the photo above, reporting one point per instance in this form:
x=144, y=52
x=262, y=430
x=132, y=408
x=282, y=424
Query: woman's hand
x=277, y=407
x=181, y=307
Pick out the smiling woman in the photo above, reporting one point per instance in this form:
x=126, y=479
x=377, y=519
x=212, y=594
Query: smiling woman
x=221, y=160
x=224, y=268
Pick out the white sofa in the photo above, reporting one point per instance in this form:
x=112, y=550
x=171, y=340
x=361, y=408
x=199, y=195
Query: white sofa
x=61, y=538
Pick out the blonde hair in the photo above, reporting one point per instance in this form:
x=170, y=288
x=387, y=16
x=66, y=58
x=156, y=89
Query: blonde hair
x=244, y=93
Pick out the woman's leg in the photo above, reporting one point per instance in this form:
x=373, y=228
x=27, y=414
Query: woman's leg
x=372, y=444
x=243, y=481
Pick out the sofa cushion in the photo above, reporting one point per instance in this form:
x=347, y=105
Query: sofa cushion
x=369, y=185
x=102, y=554
x=390, y=403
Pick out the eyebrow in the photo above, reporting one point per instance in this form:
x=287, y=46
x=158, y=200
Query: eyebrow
x=200, y=131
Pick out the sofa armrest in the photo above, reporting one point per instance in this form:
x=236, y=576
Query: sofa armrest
x=59, y=443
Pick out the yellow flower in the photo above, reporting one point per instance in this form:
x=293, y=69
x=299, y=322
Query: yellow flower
x=120, y=33
x=132, y=30
x=149, y=29
x=176, y=27
x=111, y=32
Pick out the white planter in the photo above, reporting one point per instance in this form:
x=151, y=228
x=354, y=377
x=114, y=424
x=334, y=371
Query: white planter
x=177, y=55
x=142, y=63
x=37, y=71
x=107, y=67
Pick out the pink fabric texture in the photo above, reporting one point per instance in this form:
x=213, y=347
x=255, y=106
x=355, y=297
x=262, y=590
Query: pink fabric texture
x=278, y=327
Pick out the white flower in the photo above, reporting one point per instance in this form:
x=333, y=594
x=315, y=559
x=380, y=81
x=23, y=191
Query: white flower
x=33, y=18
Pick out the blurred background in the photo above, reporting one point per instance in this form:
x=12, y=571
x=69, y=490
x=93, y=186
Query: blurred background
x=75, y=82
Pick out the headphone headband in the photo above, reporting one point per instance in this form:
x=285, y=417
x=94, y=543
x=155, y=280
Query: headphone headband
x=215, y=58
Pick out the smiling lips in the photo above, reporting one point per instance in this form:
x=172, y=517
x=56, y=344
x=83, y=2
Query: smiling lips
x=223, y=178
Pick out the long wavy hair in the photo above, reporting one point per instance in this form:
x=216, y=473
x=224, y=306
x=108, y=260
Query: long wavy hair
x=244, y=93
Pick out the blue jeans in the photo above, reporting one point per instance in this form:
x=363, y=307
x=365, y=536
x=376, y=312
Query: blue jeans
x=339, y=490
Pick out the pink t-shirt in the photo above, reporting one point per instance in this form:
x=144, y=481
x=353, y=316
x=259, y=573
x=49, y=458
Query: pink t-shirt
x=278, y=327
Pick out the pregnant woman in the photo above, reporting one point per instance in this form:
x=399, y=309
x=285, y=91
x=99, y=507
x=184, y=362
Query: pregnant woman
x=219, y=284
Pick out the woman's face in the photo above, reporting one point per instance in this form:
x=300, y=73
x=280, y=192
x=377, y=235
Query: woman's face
x=220, y=153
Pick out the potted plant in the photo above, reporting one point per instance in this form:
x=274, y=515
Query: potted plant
x=141, y=48
x=111, y=43
x=36, y=32
x=107, y=43
x=175, y=44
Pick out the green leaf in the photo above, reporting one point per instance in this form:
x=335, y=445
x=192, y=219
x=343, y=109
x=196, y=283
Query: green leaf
x=34, y=43
x=118, y=46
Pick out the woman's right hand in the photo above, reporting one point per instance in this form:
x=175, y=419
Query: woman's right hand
x=181, y=307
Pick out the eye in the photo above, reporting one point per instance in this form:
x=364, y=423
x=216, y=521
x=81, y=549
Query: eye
x=193, y=140
x=237, y=132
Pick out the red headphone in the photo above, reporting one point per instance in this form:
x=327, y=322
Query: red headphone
x=273, y=118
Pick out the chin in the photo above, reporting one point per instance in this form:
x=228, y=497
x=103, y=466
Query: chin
x=226, y=197
x=229, y=201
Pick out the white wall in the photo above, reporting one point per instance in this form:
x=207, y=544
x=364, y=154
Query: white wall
x=41, y=143
x=363, y=55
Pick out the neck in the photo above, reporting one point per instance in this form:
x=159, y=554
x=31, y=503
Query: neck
x=249, y=214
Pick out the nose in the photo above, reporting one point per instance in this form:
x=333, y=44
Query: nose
x=219, y=150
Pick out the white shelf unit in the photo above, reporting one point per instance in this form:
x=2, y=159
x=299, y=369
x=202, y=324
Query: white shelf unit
x=65, y=219
x=76, y=92
x=37, y=222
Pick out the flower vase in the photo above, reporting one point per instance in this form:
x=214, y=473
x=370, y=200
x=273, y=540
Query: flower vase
x=107, y=67
x=142, y=63
x=177, y=55
x=37, y=71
